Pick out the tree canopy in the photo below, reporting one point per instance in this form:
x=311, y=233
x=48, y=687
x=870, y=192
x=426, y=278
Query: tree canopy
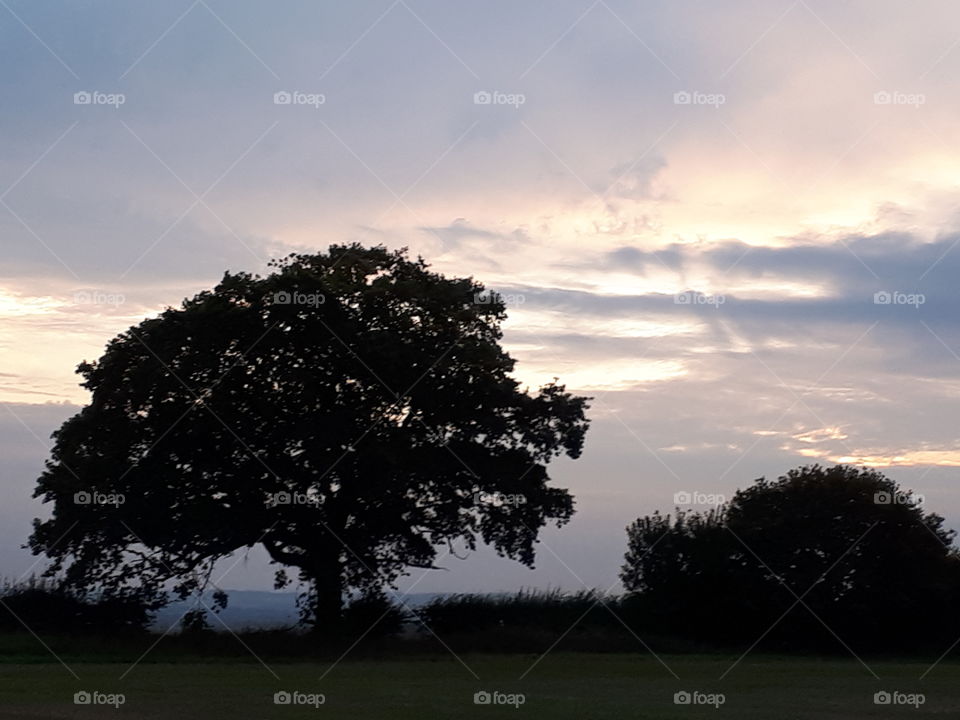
x=352, y=412
x=817, y=559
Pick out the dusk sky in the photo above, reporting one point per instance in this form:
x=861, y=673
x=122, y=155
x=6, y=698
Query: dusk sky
x=735, y=225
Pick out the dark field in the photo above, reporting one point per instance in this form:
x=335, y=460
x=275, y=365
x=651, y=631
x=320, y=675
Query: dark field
x=562, y=685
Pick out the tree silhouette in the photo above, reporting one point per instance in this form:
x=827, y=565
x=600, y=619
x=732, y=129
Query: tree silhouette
x=351, y=412
x=818, y=558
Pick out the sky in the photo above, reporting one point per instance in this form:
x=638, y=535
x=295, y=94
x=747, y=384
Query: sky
x=735, y=225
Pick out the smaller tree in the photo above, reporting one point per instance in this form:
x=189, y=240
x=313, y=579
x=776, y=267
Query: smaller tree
x=818, y=555
x=680, y=573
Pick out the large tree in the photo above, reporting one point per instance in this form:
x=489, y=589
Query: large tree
x=816, y=559
x=352, y=412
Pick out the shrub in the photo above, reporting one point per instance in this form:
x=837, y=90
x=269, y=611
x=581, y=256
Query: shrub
x=46, y=606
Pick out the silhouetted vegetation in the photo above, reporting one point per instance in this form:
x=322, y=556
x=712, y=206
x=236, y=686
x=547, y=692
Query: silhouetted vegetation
x=820, y=559
x=553, y=610
x=374, y=615
x=41, y=605
x=269, y=411
x=352, y=412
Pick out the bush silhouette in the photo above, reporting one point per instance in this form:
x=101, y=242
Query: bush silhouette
x=820, y=559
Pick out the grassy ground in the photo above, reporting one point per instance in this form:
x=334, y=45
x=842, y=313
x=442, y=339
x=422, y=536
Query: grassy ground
x=561, y=685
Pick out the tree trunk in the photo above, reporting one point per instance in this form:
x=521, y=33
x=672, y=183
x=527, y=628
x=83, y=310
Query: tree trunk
x=328, y=591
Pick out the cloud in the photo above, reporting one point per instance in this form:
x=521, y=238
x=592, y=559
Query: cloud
x=598, y=200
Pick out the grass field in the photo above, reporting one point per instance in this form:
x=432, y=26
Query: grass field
x=562, y=685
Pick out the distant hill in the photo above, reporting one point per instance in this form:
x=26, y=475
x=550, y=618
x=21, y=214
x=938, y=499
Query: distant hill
x=255, y=609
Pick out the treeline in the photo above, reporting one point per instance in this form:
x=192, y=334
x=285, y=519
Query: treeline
x=819, y=560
